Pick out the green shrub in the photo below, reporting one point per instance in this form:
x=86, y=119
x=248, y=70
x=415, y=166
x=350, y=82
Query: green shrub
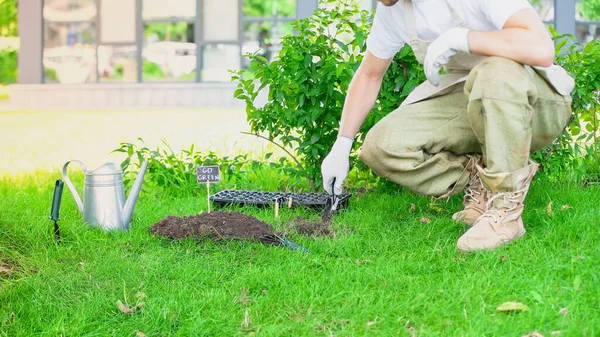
x=307, y=84
x=174, y=172
x=8, y=66
x=576, y=154
x=152, y=70
x=50, y=75
x=8, y=18
x=118, y=71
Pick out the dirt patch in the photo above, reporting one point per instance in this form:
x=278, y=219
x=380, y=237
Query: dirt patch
x=215, y=226
x=312, y=228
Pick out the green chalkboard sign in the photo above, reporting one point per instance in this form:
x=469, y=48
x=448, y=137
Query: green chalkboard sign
x=208, y=174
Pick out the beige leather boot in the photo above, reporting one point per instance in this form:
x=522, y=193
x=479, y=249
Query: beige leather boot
x=475, y=202
x=475, y=199
x=501, y=223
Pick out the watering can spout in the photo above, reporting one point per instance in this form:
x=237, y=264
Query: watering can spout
x=133, y=194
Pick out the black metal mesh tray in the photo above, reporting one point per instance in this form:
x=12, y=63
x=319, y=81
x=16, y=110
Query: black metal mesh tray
x=264, y=199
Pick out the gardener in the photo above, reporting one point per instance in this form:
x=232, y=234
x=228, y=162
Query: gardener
x=473, y=127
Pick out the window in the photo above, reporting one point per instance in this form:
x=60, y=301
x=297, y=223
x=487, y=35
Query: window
x=587, y=15
x=90, y=41
x=69, y=41
x=161, y=9
x=270, y=8
x=217, y=60
x=220, y=39
x=362, y=4
x=169, y=42
x=265, y=23
x=117, y=63
x=545, y=9
x=117, y=47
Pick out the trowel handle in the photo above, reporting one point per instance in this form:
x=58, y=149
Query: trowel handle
x=290, y=245
x=56, y=199
x=333, y=187
x=70, y=184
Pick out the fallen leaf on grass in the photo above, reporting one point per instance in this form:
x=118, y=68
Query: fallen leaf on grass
x=533, y=334
x=5, y=270
x=563, y=311
x=549, y=209
x=577, y=283
x=361, y=262
x=512, y=306
x=139, y=333
x=554, y=333
x=244, y=297
x=434, y=206
x=566, y=207
x=370, y=323
x=412, y=208
x=140, y=295
x=246, y=322
x=425, y=220
x=10, y=319
x=125, y=309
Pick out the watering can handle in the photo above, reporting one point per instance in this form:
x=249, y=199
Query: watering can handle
x=70, y=184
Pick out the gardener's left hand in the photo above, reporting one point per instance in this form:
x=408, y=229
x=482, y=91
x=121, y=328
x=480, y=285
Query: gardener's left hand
x=442, y=50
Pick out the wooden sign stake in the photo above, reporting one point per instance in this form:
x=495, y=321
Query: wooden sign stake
x=277, y=208
x=290, y=202
x=208, y=174
x=208, y=195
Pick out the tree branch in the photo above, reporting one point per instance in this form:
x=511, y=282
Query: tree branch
x=310, y=182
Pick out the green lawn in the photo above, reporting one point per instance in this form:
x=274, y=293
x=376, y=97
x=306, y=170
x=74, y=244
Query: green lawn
x=386, y=272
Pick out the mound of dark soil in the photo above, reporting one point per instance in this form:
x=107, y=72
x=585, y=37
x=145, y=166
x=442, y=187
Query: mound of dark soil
x=215, y=226
x=312, y=229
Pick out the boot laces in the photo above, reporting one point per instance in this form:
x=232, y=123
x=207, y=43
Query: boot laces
x=510, y=198
x=473, y=189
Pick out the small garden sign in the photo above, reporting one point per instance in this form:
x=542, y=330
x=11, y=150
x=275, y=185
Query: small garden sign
x=207, y=175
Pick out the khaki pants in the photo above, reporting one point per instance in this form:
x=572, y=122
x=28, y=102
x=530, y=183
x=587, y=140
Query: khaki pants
x=505, y=112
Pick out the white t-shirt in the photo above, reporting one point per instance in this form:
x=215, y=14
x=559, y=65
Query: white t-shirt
x=389, y=32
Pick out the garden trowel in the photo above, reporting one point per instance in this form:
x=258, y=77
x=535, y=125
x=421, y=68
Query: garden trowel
x=331, y=204
x=279, y=238
x=54, y=212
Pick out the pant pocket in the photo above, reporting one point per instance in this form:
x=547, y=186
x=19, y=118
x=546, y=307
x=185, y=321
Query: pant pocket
x=549, y=121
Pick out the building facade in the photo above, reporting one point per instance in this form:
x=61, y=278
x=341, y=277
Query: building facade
x=169, y=52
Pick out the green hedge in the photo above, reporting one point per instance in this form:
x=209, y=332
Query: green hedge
x=576, y=155
x=8, y=66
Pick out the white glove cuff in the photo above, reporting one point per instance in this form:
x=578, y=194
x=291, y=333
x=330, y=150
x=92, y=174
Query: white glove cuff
x=343, y=144
x=462, y=39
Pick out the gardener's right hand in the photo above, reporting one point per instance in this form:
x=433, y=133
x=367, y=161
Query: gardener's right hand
x=337, y=164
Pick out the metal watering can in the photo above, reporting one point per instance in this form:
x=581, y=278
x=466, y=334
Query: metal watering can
x=104, y=203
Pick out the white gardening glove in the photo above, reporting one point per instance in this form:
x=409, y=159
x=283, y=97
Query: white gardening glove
x=337, y=164
x=442, y=50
